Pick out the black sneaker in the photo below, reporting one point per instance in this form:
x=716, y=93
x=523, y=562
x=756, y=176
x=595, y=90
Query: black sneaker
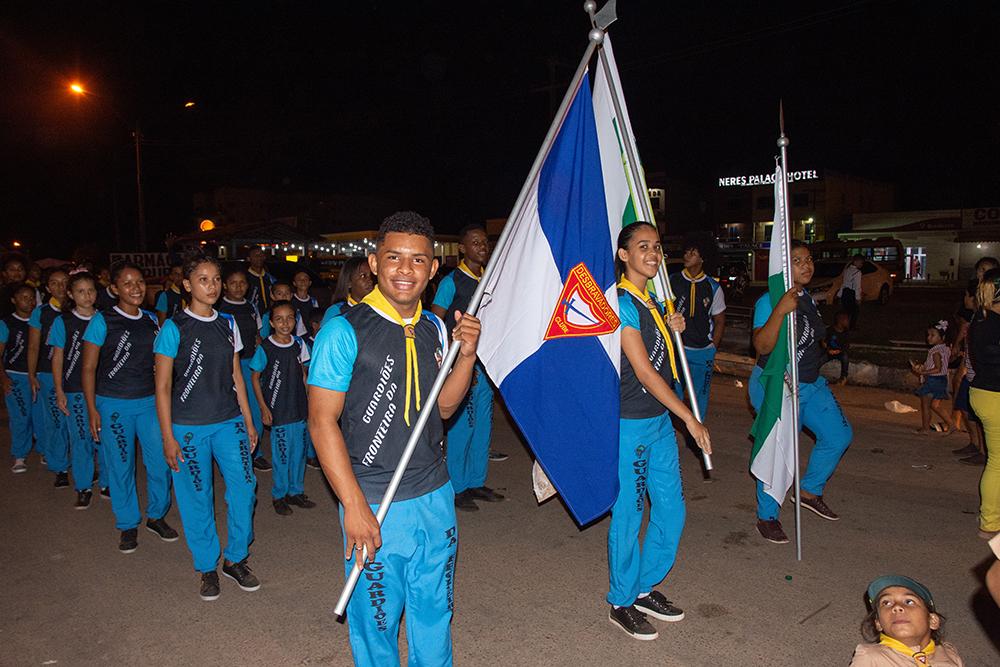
x=658, y=606
x=314, y=464
x=497, y=456
x=83, y=499
x=62, y=480
x=485, y=493
x=129, y=541
x=772, y=531
x=281, y=506
x=968, y=450
x=464, y=502
x=241, y=574
x=162, y=529
x=819, y=508
x=105, y=493
x=633, y=623
x=300, y=500
x=260, y=463
x=209, y=586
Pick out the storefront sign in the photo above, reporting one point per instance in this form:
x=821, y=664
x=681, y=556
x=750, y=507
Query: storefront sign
x=766, y=179
x=981, y=217
x=153, y=264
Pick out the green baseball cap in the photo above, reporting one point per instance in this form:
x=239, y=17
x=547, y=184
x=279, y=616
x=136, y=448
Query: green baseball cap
x=889, y=580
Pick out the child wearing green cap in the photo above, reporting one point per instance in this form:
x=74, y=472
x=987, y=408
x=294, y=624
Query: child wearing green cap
x=903, y=627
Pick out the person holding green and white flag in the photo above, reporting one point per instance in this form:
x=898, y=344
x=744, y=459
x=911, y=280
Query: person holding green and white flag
x=773, y=457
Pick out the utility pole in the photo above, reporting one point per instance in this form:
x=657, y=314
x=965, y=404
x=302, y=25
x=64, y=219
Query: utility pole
x=140, y=201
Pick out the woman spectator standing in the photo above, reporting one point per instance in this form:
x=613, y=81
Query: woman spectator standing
x=984, y=395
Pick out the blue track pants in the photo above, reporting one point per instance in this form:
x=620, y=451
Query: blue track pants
x=469, y=431
x=647, y=464
x=82, y=447
x=227, y=444
x=288, y=459
x=414, y=570
x=258, y=422
x=122, y=420
x=701, y=364
x=54, y=439
x=820, y=413
x=21, y=415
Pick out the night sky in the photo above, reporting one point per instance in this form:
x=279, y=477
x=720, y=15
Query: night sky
x=442, y=106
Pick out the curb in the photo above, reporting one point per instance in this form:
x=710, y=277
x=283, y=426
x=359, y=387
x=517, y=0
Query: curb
x=862, y=373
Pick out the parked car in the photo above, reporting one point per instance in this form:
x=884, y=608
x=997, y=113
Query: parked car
x=876, y=283
x=734, y=278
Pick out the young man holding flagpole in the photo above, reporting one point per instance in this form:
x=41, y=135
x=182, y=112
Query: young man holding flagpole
x=369, y=370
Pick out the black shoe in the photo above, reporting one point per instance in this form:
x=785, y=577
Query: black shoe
x=485, y=493
x=976, y=459
x=241, y=574
x=62, y=480
x=819, y=508
x=281, y=506
x=162, y=529
x=129, y=541
x=209, y=586
x=314, y=464
x=968, y=450
x=105, y=493
x=260, y=463
x=464, y=502
x=83, y=499
x=497, y=456
x=772, y=531
x=658, y=606
x=633, y=622
x=300, y=500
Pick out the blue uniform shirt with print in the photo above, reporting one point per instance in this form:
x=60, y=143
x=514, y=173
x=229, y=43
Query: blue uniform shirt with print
x=125, y=362
x=281, y=378
x=809, y=328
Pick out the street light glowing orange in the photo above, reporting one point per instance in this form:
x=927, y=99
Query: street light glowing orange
x=77, y=88
x=188, y=105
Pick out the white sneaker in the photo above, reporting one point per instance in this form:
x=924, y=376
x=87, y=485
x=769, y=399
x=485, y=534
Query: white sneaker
x=19, y=466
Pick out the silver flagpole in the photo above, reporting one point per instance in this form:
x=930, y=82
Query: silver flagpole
x=661, y=282
x=793, y=366
x=595, y=38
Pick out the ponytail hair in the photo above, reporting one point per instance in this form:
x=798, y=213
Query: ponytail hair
x=626, y=234
x=988, y=292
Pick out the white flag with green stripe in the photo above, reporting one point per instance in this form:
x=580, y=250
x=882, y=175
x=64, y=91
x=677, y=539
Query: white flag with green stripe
x=772, y=460
x=618, y=191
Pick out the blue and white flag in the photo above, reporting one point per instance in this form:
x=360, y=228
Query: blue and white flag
x=550, y=337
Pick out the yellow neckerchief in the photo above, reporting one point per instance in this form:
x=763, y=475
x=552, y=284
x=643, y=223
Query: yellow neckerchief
x=351, y=301
x=55, y=303
x=464, y=268
x=376, y=300
x=175, y=289
x=693, y=280
x=644, y=296
x=919, y=657
x=264, y=291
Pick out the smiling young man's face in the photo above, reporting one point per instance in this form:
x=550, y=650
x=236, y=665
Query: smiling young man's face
x=404, y=263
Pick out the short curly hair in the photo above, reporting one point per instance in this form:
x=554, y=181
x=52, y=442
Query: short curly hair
x=407, y=222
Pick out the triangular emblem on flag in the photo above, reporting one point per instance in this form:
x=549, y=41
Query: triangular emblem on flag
x=582, y=309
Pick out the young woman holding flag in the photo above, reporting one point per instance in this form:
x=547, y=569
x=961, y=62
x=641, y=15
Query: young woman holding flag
x=647, y=445
x=818, y=409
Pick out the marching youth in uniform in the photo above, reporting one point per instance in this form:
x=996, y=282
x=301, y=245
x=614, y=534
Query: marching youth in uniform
x=370, y=369
x=50, y=426
x=818, y=409
x=118, y=387
x=353, y=284
x=248, y=321
x=647, y=446
x=470, y=428
x=14, y=375
x=170, y=300
x=259, y=281
x=699, y=298
x=279, y=387
x=302, y=301
x=66, y=339
x=314, y=322
x=204, y=416
x=282, y=291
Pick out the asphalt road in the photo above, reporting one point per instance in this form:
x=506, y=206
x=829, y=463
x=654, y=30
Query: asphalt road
x=530, y=583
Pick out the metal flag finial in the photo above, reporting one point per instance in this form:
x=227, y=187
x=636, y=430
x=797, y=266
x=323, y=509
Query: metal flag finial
x=782, y=140
x=606, y=16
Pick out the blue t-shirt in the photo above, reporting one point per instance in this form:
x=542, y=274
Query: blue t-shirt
x=125, y=363
x=335, y=310
x=67, y=334
x=281, y=379
x=42, y=318
x=202, y=348
x=636, y=401
x=14, y=336
x=809, y=328
x=363, y=354
x=169, y=301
